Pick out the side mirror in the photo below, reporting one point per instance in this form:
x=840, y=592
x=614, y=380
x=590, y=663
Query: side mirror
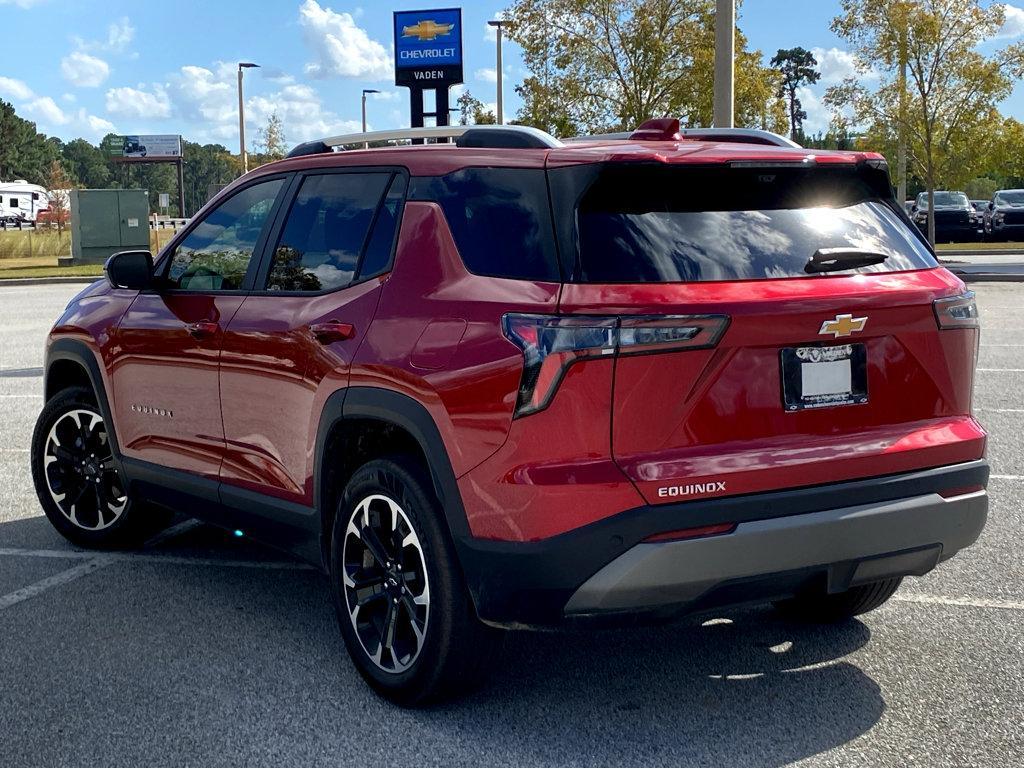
x=130, y=269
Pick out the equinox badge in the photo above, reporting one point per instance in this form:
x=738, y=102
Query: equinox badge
x=843, y=325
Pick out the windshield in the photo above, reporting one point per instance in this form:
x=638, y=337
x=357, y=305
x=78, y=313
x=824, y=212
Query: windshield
x=1010, y=198
x=944, y=199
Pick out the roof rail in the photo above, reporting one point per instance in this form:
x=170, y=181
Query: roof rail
x=648, y=132
x=481, y=136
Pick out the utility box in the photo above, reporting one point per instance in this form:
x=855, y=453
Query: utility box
x=104, y=222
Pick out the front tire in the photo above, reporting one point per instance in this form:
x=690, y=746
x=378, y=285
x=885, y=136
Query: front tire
x=77, y=479
x=403, y=609
x=837, y=607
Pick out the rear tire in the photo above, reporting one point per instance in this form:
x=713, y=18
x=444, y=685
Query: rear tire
x=403, y=609
x=836, y=607
x=77, y=479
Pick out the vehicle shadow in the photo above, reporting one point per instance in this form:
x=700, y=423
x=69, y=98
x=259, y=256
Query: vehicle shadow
x=245, y=665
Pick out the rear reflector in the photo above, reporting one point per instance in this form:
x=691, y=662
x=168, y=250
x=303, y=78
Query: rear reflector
x=694, y=533
x=552, y=343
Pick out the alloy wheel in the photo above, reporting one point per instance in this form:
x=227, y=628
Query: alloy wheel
x=387, y=592
x=80, y=473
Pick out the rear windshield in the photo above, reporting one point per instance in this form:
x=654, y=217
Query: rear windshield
x=668, y=225
x=1011, y=198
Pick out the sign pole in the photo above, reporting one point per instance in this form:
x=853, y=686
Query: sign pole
x=181, y=188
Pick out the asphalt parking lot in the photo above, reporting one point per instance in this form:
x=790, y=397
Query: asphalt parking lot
x=202, y=649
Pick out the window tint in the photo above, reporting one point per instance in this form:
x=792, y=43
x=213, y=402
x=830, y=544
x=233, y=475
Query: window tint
x=326, y=229
x=378, y=251
x=500, y=219
x=216, y=254
x=669, y=226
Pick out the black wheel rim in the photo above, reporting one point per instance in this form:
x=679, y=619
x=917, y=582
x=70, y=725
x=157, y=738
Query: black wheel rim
x=79, y=470
x=387, y=591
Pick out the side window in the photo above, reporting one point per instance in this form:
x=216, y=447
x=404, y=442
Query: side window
x=500, y=219
x=215, y=255
x=378, y=251
x=326, y=231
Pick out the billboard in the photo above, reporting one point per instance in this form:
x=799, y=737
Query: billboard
x=139, y=147
x=428, y=48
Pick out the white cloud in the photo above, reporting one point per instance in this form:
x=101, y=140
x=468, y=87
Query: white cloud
x=384, y=95
x=818, y=115
x=120, y=34
x=835, y=65
x=83, y=70
x=136, y=103
x=69, y=97
x=14, y=89
x=341, y=47
x=302, y=114
x=203, y=96
x=20, y=3
x=1013, y=23
x=46, y=110
x=487, y=74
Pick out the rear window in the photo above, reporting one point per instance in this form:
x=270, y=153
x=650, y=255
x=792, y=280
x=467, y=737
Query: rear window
x=663, y=225
x=500, y=219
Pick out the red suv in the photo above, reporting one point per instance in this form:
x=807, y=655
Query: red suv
x=508, y=382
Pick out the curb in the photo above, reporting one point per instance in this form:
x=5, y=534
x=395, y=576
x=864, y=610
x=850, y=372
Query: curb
x=84, y=279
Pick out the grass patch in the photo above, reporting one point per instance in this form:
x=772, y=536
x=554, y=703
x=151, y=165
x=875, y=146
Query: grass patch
x=995, y=247
x=45, y=267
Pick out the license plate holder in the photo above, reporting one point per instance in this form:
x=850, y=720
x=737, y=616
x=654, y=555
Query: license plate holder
x=815, y=377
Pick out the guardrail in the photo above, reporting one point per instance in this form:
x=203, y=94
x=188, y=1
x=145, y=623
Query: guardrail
x=159, y=224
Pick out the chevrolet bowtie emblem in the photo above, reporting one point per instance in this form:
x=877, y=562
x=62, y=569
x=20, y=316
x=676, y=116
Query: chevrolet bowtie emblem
x=427, y=29
x=843, y=325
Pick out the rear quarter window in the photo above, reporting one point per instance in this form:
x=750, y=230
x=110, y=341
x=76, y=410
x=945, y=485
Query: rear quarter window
x=500, y=219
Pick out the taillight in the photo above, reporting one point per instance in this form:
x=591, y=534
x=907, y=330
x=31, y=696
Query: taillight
x=551, y=344
x=959, y=311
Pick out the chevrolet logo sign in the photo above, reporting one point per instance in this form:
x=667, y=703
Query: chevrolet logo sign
x=426, y=30
x=843, y=325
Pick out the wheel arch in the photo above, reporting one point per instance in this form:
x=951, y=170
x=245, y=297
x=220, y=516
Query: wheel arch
x=412, y=428
x=71, y=362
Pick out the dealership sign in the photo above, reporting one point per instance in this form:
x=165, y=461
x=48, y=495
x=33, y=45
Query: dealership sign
x=428, y=48
x=148, y=147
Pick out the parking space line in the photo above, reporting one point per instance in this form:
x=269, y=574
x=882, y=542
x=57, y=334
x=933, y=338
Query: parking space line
x=61, y=578
x=170, y=533
x=1002, y=370
x=1000, y=411
x=1007, y=477
x=974, y=603
x=177, y=560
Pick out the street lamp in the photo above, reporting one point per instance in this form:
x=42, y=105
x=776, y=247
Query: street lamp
x=725, y=72
x=499, y=24
x=241, y=116
x=366, y=91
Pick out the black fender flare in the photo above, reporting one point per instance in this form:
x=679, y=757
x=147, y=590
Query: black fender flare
x=77, y=351
x=404, y=412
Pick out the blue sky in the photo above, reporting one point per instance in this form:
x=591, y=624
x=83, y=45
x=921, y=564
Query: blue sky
x=85, y=68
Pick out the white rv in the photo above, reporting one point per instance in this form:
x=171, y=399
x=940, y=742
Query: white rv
x=21, y=200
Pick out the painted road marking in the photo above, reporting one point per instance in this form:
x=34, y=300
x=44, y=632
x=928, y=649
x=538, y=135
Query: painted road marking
x=61, y=578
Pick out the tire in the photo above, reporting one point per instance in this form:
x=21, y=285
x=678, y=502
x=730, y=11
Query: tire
x=438, y=648
x=837, y=607
x=71, y=455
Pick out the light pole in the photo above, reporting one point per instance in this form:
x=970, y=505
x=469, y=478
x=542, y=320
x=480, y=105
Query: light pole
x=366, y=91
x=241, y=116
x=499, y=24
x=725, y=41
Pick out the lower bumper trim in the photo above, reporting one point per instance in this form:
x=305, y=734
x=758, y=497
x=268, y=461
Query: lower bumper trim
x=850, y=545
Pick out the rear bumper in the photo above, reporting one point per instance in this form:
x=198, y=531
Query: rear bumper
x=834, y=535
x=843, y=547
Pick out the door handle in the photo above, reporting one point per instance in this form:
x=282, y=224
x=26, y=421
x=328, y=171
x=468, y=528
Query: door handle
x=202, y=329
x=332, y=331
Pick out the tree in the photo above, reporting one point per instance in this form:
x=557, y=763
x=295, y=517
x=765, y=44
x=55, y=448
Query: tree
x=947, y=107
x=86, y=164
x=24, y=152
x=610, y=65
x=58, y=185
x=207, y=168
x=271, y=139
x=799, y=68
x=472, y=111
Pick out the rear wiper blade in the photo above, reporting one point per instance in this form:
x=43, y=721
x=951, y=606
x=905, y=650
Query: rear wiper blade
x=836, y=259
